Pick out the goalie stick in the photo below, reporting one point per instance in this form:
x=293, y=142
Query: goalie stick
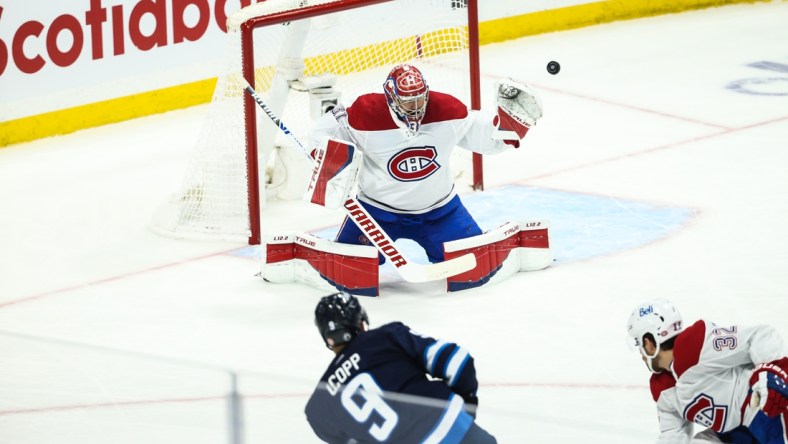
x=409, y=270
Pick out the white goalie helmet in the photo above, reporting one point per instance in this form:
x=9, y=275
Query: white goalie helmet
x=660, y=318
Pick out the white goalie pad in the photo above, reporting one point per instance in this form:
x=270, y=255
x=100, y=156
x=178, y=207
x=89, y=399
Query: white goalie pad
x=320, y=263
x=534, y=251
x=500, y=253
x=519, y=108
x=335, y=175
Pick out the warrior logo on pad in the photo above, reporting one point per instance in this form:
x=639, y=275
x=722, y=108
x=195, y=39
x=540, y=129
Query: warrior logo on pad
x=413, y=164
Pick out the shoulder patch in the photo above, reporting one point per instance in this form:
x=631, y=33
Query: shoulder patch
x=370, y=112
x=442, y=107
x=687, y=348
x=659, y=383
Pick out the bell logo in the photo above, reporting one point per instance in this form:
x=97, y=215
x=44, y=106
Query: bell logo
x=646, y=310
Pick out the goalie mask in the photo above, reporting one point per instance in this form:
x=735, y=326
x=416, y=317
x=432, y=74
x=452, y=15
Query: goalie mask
x=407, y=94
x=340, y=317
x=660, y=318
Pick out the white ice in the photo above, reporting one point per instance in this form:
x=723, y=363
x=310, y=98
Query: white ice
x=112, y=334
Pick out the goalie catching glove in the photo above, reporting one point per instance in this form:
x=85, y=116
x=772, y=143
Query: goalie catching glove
x=518, y=109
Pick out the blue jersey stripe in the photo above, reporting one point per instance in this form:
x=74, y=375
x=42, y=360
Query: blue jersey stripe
x=459, y=429
x=452, y=426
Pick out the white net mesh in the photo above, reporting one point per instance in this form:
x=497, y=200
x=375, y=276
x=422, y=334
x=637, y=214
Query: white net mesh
x=301, y=68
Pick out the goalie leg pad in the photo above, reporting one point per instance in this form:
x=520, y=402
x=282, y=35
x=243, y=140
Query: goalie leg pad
x=535, y=252
x=321, y=263
x=492, y=250
x=500, y=253
x=335, y=175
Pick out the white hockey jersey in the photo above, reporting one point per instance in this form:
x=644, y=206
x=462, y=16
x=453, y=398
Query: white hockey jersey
x=402, y=172
x=709, y=380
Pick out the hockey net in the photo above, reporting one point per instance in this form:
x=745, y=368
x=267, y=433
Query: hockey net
x=303, y=57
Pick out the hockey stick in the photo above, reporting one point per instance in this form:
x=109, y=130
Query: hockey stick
x=410, y=271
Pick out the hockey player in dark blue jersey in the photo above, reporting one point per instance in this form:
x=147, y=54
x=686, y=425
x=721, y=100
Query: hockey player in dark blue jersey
x=377, y=389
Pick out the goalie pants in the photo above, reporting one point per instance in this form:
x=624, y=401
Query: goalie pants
x=430, y=230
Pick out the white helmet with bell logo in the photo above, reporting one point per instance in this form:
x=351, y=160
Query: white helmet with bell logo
x=658, y=317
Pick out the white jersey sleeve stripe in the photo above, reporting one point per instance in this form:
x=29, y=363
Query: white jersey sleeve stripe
x=431, y=354
x=456, y=364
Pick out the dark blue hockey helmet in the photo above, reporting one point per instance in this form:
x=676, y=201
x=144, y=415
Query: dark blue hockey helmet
x=340, y=317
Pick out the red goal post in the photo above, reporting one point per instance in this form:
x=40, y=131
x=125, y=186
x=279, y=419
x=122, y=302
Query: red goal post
x=302, y=55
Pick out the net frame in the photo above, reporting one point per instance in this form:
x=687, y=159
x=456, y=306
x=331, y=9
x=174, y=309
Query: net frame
x=250, y=108
x=233, y=210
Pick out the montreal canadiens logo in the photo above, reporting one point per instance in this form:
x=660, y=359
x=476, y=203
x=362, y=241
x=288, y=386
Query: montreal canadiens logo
x=410, y=82
x=703, y=411
x=414, y=164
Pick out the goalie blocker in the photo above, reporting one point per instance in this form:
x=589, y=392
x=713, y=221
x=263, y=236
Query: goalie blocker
x=335, y=174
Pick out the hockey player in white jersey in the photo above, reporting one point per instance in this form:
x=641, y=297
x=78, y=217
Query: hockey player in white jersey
x=407, y=134
x=729, y=379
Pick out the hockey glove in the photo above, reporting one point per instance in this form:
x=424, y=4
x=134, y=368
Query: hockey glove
x=770, y=383
x=519, y=108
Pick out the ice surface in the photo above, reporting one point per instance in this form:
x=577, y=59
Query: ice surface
x=662, y=162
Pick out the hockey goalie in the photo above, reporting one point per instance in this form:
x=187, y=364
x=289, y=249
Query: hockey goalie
x=391, y=150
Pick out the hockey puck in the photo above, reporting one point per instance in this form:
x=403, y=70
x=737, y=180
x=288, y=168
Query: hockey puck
x=553, y=67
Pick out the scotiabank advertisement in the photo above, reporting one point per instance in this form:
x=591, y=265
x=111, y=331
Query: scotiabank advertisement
x=59, y=54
